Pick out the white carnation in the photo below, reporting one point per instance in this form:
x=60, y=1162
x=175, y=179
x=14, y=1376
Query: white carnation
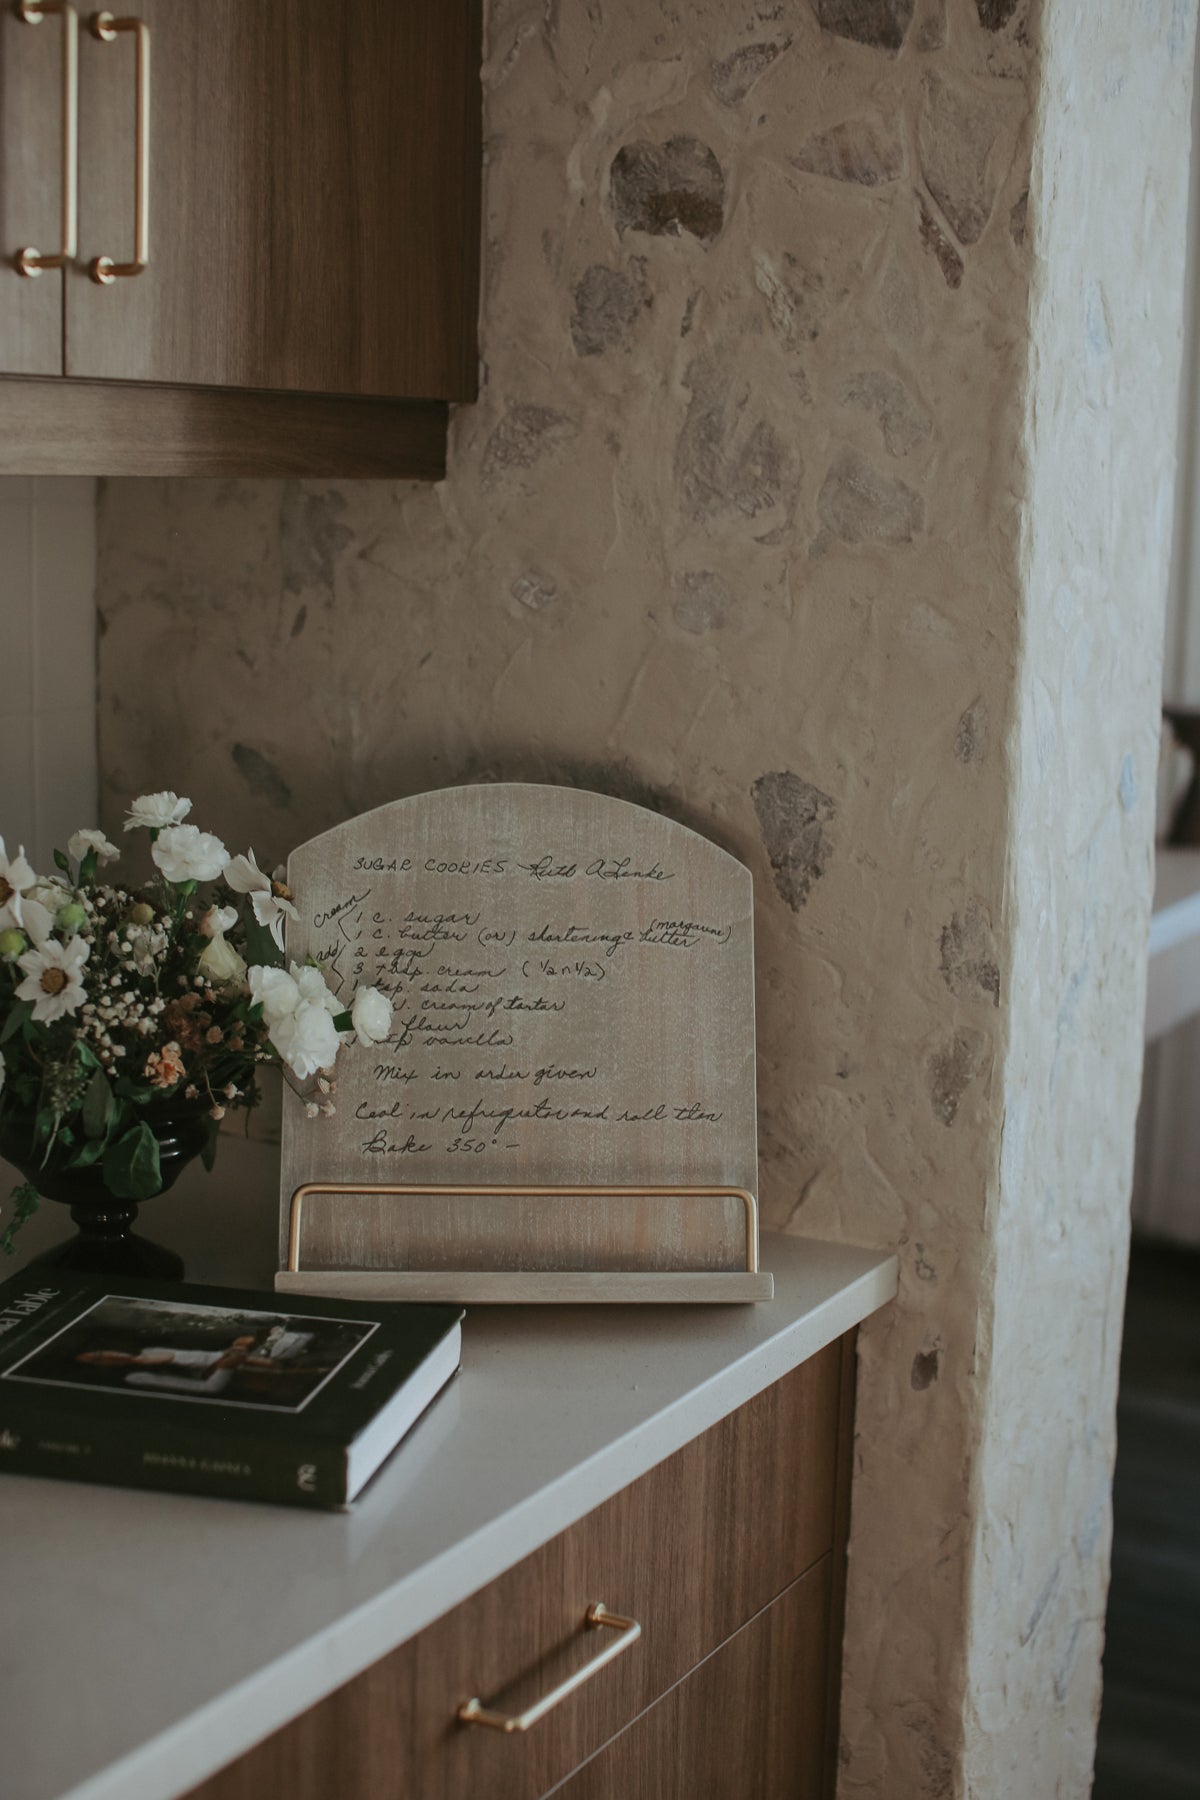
x=312, y=988
x=306, y=1039
x=218, y=918
x=81, y=842
x=185, y=853
x=371, y=1016
x=157, y=811
x=276, y=992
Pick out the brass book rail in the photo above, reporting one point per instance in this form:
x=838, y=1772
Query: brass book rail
x=511, y=1285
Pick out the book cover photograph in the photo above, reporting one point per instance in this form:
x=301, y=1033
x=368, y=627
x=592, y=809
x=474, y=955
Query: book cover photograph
x=210, y=1390
x=266, y=1360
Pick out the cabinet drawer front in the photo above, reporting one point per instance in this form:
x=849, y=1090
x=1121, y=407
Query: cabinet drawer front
x=692, y=1550
x=748, y=1724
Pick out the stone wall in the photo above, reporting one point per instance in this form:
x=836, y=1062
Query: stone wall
x=736, y=530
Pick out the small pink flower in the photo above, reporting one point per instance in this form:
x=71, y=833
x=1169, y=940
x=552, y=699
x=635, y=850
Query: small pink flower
x=164, y=1067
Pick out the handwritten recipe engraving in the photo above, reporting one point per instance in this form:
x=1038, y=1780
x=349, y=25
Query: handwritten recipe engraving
x=572, y=984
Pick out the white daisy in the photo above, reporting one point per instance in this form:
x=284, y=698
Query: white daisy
x=157, y=811
x=270, y=905
x=54, y=979
x=17, y=906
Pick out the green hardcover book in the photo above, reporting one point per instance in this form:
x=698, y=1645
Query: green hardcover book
x=210, y=1390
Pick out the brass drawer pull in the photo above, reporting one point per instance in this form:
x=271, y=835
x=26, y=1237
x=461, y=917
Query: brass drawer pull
x=30, y=261
x=473, y=1712
x=103, y=269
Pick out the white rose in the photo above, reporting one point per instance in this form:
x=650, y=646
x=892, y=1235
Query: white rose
x=218, y=919
x=312, y=987
x=220, y=963
x=276, y=992
x=306, y=1039
x=371, y=1016
x=185, y=853
x=157, y=811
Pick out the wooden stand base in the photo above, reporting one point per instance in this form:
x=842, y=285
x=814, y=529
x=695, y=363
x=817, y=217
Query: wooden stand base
x=556, y=1287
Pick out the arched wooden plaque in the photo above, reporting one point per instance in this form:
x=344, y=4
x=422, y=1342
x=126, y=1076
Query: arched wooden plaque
x=566, y=1108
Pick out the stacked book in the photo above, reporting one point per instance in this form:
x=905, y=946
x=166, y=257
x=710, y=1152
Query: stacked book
x=212, y=1390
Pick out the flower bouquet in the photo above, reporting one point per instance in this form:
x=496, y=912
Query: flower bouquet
x=132, y=1019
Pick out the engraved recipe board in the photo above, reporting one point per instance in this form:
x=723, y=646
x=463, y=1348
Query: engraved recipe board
x=566, y=1107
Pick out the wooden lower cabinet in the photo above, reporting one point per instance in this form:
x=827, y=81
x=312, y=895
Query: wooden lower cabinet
x=730, y=1554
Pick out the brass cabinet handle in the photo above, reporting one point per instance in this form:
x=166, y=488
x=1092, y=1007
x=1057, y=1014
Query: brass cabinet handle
x=103, y=269
x=473, y=1712
x=31, y=261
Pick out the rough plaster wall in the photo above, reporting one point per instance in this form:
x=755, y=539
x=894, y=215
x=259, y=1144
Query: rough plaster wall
x=1109, y=197
x=734, y=530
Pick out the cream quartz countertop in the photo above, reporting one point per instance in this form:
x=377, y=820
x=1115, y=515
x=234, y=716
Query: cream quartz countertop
x=150, y=1638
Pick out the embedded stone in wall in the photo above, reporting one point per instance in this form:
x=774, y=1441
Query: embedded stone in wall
x=957, y=130
x=859, y=505
x=733, y=77
x=951, y=1070
x=524, y=434
x=994, y=15
x=1017, y=217
x=880, y=23
x=969, y=961
x=798, y=300
x=792, y=816
x=704, y=602
x=901, y=421
x=534, y=590
x=311, y=537
x=970, y=743
x=723, y=463
x=936, y=241
x=667, y=189
x=930, y=30
x=605, y=304
x=261, y=775
x=865, y=151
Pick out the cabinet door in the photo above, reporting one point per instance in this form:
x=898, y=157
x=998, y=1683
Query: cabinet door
x=31, y=175
x=313, y=178
x=748, y=1724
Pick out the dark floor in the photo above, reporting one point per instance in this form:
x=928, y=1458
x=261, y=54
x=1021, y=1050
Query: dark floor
x=1149, y=1746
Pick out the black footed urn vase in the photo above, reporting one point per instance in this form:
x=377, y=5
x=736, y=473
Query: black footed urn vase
x=106, y=1244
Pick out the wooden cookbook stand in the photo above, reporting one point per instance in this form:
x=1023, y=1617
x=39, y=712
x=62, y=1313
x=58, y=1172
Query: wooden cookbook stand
x=572, y=985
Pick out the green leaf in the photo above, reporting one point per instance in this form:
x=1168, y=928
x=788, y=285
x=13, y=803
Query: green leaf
x=61, y=862
x=20, y=1015
x=87, y=1154
x=261, y=948
x=131, y=1170
x=139, y=1092
x=99, y=1106
x=343, y=1021
x=25, y=1198
x=87, y=868
x=208, y=1155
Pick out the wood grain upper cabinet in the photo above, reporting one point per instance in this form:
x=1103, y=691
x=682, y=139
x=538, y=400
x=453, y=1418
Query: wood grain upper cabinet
x=308, y=175
x=311, y=222
x=32, y=175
